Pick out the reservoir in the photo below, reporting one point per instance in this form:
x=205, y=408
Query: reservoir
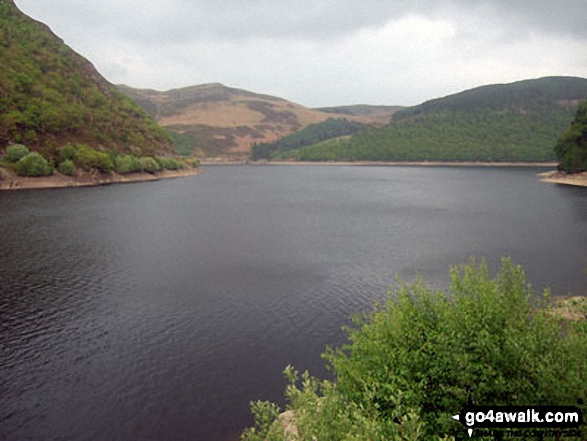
x=159, y=310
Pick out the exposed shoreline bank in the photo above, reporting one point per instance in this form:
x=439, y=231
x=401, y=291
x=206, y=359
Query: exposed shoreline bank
x=88, y=179
x=558, y=177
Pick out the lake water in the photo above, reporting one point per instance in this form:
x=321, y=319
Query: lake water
x=157, y=311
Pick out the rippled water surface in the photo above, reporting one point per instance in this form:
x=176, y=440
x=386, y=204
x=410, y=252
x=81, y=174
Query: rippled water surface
x=157, y=311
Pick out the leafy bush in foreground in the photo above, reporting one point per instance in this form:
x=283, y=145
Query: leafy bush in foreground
x=33, y=164
x=15, y=153
x=414, y=361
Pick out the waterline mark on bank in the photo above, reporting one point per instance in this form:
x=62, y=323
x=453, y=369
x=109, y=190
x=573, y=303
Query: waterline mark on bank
x=519, y=417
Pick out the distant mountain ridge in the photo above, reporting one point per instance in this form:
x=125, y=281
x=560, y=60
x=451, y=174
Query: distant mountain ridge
x=50, y=96
x=519, y=121
x=214, y=120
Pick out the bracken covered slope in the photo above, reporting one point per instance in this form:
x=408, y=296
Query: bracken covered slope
x=214, y=120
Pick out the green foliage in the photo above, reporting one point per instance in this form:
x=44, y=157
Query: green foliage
x=185, y=143
x=128, y=164
x=331, y=128
x=414, y=361
x=87, y=158
x=167, y=163
x=66, y=167
x=571, y=148
x=33, y=164
x=15, y=152
x=474, y=136
x=67, y=153
x=513, y=122
x=265, y=413
x=49, y=94
x=149, y=165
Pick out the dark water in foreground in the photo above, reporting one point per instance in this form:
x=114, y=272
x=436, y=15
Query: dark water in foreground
x=157, y=311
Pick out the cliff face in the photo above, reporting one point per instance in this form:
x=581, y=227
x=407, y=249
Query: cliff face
x=50, y=95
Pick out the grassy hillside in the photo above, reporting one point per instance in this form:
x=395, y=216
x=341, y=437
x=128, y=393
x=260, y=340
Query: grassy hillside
x=50, y=96
x=511, y=122
x=214, y=120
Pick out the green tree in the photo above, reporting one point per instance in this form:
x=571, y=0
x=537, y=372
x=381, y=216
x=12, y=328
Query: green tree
x=66, y=167
x=67, y=152
x=33, y=164
x=571, y=148
x=15, y=152
x=88, y=158
x=149, y=165
x=128, y=164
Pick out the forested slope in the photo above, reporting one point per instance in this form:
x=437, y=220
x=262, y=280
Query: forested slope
x=50, y=96
x=511, y=122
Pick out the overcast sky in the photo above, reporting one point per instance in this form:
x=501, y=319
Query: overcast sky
x=323, y=52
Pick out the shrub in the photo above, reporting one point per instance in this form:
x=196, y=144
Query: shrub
x=67, y=153
x=15, y=153
x=414, y=361
x=169, y=163
x=66, y=167
x=191, y=162
x=149, y=164
x=33, y=164
x=128, y=164
x=87, y=158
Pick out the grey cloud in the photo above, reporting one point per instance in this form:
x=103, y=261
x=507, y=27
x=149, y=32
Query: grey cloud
x=235, y=19
x=186, y=20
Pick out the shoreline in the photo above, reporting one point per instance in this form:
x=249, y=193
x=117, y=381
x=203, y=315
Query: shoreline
x=388, y=163
x=88, y=179
x=559, y=177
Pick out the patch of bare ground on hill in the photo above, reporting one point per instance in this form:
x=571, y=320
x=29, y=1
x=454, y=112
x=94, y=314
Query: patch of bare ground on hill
x=235, y=124
x=9, y=181
x=560, y=177
x=225, y=121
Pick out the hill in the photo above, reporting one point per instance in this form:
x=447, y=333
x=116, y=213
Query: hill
x=311, y=134
x=519, y=121
x=214, y=120
x=50, y=96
